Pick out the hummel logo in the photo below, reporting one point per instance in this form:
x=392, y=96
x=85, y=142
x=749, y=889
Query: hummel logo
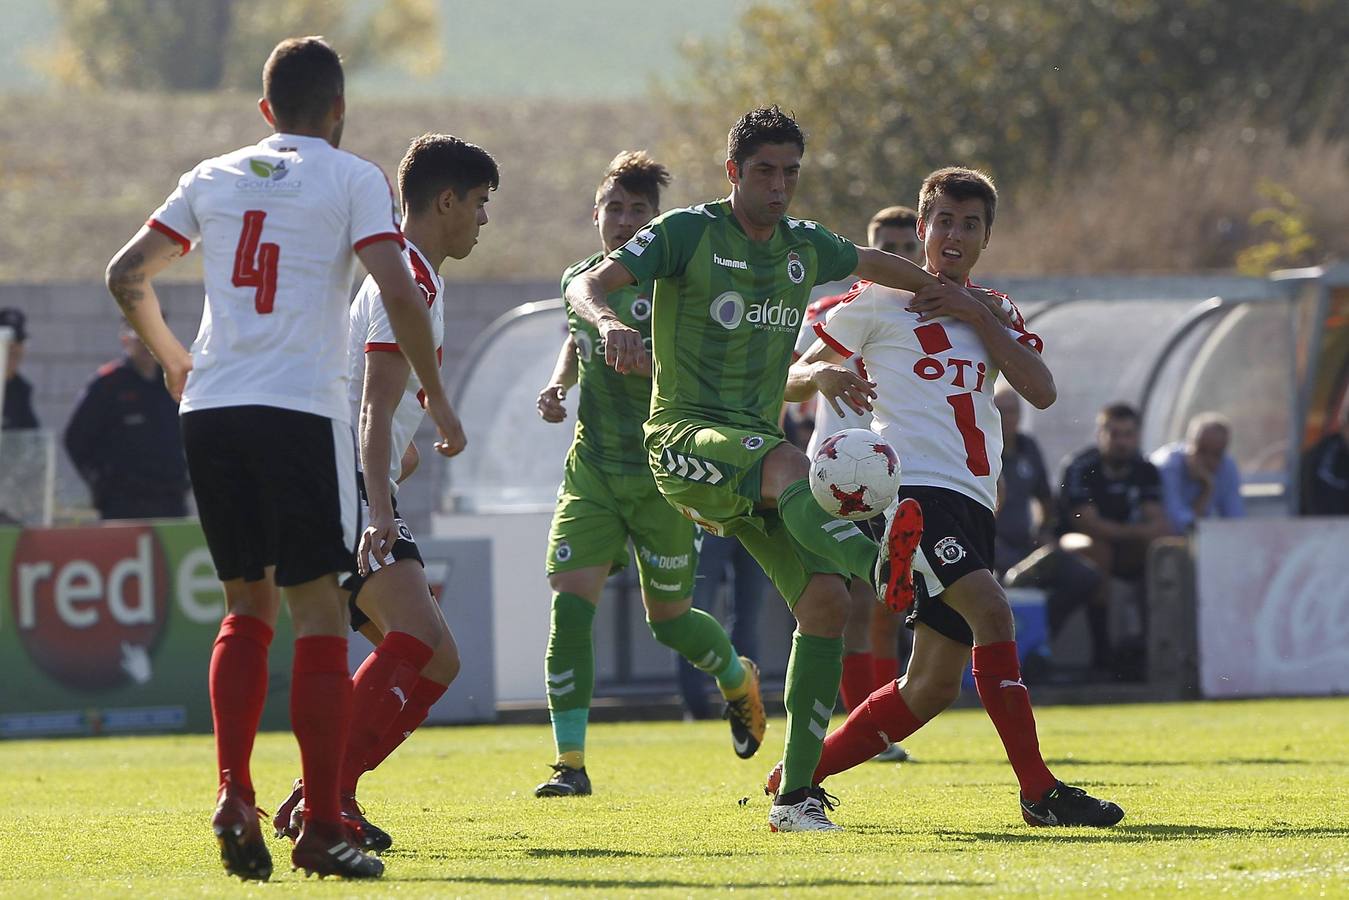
x=729, y=263
x=691, y=467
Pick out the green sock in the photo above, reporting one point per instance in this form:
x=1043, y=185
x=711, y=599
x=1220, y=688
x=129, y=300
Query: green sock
x=813, y=674
x=570, y=670
x=700, y=639
x=837, y=540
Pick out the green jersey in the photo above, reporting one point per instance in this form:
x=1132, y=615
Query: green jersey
x=728, y=310
x=613, y=407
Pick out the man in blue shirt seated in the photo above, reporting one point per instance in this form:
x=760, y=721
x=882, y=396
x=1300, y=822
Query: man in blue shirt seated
x=1199, y=478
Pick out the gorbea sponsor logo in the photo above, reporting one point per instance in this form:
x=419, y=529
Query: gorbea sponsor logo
x=730, y=309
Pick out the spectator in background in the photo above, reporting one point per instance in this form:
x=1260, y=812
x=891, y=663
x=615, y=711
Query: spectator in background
x=1110, y=499
x=719, y=560
x=123, y=438
x=1199, y=478
x=1325, y=471
x=18, y=403
x=1025, y=551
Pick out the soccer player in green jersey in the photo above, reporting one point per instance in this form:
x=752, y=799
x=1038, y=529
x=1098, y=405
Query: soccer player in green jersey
x=608, y=497
x=732, y=279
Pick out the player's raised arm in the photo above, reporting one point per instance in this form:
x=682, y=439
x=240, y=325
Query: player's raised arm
x=406, y=307
x=623, y=346
x=899, y=273
x=129, y=278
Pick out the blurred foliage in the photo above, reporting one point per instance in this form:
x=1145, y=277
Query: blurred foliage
x=202, y=45
x=891, y=89
x=1289, y=242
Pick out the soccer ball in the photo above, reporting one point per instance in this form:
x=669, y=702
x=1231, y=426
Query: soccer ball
x=855, y=474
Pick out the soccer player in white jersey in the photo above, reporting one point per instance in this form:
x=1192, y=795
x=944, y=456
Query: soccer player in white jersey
x=933, y=364
x=445, y=184
x=266, y=425
x=871, y=637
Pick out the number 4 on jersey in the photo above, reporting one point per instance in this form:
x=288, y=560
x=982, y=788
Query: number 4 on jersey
x=255, y=264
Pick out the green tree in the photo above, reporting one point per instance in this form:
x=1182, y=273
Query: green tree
x=890, y=89
x=202, y=45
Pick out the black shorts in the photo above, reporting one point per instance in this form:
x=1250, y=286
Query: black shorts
x=958, y=538
x=274, y=487
x=404, y=547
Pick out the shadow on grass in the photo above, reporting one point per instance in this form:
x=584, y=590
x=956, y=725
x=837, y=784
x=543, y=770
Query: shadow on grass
x=1078, y=761
x=634, y=884
x=1131, y=834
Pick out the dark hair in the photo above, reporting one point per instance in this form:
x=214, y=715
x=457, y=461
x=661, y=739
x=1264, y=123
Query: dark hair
x=959, y=183
x=636, y=172
x=435, y=163
x=301, y=80
x=759, y=126
x=893, y=217
x=1115, y=412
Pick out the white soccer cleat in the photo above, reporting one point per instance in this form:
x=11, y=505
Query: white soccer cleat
x=808, y=815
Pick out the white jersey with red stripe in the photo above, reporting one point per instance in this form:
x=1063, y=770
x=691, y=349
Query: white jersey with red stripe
x=934, y=387
x=279, y=224
x=372, y=333
x=828, y=422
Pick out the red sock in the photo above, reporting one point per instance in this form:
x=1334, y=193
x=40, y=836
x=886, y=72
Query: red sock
x=877, y=721
x=420, y=701
x=886, y=671
x=856, y=684
x=238, y=689
x=997, y=676
x=381, y=686
x=320, y=714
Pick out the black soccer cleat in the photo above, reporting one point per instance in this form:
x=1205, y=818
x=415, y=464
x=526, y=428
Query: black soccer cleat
x=243, y=852
x=366, y=834
x=566, y=782
x=325, y=849
x=286, y=822
x=1066, y=805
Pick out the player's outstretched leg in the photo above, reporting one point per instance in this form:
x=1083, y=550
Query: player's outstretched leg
x=570, y=671
x=893, y=575
x=701, y=639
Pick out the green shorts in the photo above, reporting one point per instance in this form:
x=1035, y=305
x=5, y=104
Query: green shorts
x=712, y=474
x=597, y=513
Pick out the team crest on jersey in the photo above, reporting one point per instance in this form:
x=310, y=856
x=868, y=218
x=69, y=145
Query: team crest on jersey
x=752, y=441
x=796, y=270
x=405, y=532
x=641, y=309
x=949, y=551
x=563, y=552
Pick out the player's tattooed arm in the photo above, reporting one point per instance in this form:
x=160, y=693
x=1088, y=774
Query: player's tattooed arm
x=563, y=378
x=624, y=349
x=820, y=369
x=129, y=278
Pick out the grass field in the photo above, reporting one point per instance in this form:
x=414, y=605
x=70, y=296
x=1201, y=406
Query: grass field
x=1245, y=799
